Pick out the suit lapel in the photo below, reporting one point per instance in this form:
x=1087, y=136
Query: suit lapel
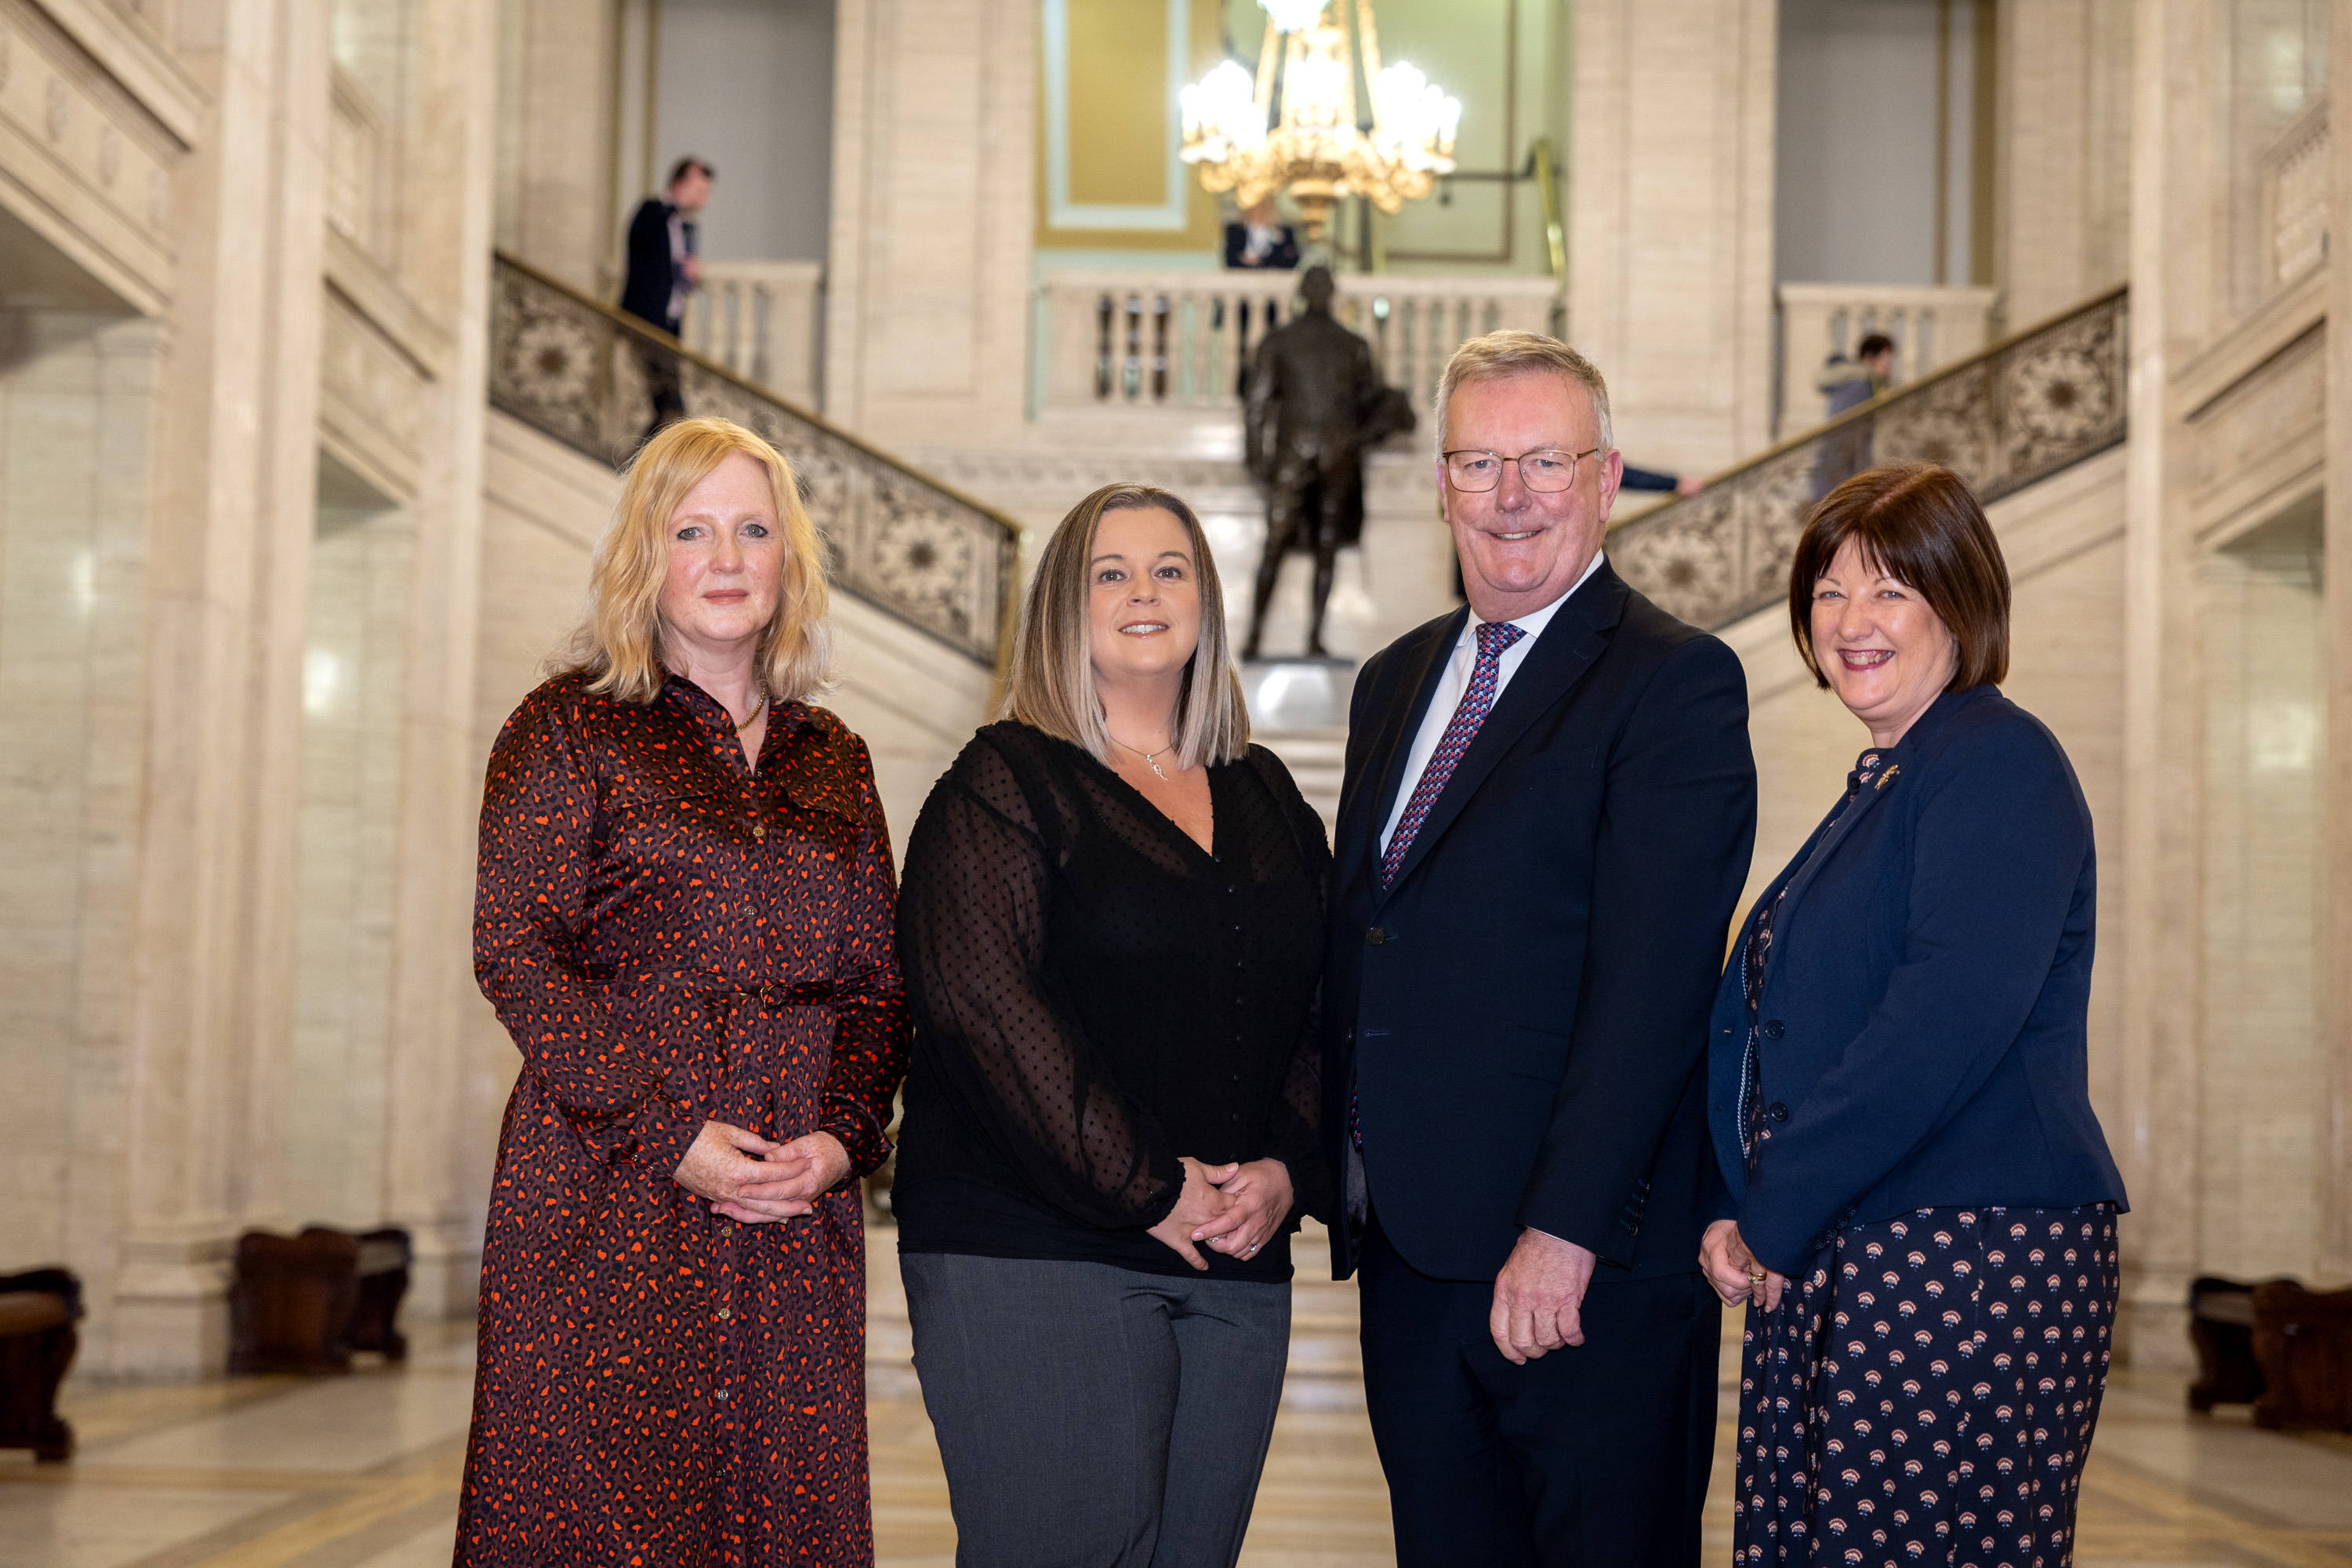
x=1578, y=633
x=1885, y=782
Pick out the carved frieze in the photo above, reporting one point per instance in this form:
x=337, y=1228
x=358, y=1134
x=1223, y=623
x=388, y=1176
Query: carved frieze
x=83, y=158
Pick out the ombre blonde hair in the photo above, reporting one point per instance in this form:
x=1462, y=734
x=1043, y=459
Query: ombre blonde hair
x=619, y=646
x=1052, y=685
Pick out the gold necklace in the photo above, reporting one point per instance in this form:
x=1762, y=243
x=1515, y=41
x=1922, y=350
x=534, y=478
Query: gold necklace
x=757, y=708
x=1150, y=758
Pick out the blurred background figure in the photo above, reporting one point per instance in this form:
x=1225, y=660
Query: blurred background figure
x=1259, y=238
x=1850, y=382
x=1845, y=385
x=1311, y=396
x=663, y=270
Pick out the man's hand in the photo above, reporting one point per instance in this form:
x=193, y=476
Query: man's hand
x=1539, y=1296
x=1732, y=1269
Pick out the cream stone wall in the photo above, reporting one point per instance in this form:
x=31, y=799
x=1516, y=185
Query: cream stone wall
x=77, y=405
x=2264, y=1082
x=1670, y=221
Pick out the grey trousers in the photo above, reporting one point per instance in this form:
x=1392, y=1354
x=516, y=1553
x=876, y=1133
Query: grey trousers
x=1092, y=1417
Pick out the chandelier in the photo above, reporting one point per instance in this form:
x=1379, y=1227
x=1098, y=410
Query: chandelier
x=1250, y=136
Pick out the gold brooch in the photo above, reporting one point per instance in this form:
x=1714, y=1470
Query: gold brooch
x=1883, y=778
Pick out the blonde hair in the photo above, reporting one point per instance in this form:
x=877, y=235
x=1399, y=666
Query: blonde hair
x=618, y=646
x=1052, y=684
x=1512, y=352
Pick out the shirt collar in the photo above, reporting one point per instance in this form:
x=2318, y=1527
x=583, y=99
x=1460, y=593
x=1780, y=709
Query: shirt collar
x=1533, y=621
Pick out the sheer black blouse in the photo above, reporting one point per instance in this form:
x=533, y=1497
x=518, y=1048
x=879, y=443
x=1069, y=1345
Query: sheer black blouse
x=1094, y=996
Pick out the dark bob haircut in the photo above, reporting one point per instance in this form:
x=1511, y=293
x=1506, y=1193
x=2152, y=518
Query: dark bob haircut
x=1917, y=523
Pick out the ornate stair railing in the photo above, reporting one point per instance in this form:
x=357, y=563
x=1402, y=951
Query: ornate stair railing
x=906, y=543
x=2016, y=412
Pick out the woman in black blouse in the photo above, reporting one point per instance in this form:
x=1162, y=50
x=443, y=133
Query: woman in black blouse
x=1110, y=925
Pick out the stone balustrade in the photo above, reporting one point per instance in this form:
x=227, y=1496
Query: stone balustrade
x=764, y=320
x=1932, y=327
x=2294, y=173
x=1182, y=339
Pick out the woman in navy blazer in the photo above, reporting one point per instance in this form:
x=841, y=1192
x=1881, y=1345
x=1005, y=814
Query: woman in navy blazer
x=1917, y=1202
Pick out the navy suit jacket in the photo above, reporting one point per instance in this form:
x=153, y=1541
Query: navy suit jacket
x=1921, y=1027
x=1523, y=1013
x=651, y=281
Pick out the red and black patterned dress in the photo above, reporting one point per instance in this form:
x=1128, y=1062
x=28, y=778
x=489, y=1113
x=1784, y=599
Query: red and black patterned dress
x=672, y=937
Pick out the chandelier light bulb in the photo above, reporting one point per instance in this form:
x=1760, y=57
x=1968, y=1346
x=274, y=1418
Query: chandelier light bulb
x=1417, y=120
x=1293, y=15
x=1220, y=115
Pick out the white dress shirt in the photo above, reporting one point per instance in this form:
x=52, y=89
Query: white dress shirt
x=1456, y=680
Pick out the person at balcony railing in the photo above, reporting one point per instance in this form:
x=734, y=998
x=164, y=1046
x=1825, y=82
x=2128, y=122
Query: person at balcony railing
x=1846, y=384
x=1313, y=395
x=1915, y=1198
x=663, y=269
x=1260, y=239
x=1111, y=931
x=683, y=918
x=1548, y=810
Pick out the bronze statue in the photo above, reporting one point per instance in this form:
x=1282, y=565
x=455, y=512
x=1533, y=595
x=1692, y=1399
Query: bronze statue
x=1315, y=405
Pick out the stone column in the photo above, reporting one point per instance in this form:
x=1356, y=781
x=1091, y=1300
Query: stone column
x=1670, y=221
x=2158, y=858
x=2335, y=1249
x=555, y=189
x=235, y=477
x=935, y=104
x=2063, y=219
x=434, y=1182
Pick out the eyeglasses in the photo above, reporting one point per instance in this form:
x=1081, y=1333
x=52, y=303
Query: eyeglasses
x=1474, y=471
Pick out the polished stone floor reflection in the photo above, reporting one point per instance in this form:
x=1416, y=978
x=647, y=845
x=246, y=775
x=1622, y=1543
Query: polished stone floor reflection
x=361, y=1472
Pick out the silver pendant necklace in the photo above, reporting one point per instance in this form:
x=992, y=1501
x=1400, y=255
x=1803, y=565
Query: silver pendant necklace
x=1150, y=759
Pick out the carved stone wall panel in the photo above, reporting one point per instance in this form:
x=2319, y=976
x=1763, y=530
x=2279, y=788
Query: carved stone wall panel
x=372, y=398
x=2263, y=433
x=82, y=159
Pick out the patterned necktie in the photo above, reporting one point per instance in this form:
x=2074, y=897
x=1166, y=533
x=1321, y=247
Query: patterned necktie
x=1494, y=637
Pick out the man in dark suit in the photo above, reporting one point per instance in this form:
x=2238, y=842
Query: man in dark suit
x=663, y=270
x=1548, y=813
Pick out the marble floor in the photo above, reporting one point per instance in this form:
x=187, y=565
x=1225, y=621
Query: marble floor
x=362, y=1471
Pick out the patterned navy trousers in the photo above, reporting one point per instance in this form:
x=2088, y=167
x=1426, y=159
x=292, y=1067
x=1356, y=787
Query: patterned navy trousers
x=1925, y=1393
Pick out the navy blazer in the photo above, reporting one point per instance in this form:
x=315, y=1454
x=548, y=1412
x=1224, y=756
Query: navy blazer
x=651, y=281
x=1524, y=1012
x=1921, y=1027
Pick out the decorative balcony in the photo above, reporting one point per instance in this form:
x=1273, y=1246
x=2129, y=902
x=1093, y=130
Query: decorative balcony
x=2014, y=413
x=576, y=370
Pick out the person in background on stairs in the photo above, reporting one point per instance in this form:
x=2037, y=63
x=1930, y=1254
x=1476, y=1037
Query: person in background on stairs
x=663, y=269
x=1846, y=384
x=1111, y=929
x=1910, y=1190
x=683, y=918
x=1548, y=809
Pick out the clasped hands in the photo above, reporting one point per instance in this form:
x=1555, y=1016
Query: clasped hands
x=749, y=1178
x=1235, y=1209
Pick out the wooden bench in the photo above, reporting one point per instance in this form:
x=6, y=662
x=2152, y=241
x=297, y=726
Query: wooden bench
x=304, y=1304
x=2277, y=1345
x=38, y=1310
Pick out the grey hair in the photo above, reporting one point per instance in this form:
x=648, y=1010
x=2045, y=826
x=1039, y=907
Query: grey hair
x=1514, y=353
